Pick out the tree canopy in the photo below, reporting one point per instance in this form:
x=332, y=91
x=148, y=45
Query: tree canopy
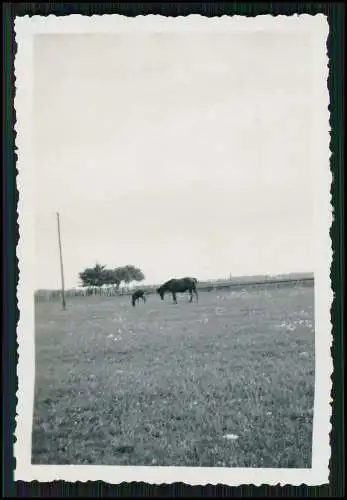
x=99, y=275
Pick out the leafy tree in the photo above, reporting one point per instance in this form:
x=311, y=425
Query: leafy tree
x=127, y=274
x=138, y=274
x=93, y=276
x=118, y=274
x=113, y=277
x=132, y=273
x=108, y=277
x=100, y=275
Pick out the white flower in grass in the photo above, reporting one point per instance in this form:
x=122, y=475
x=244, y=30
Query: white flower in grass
x=231, y=437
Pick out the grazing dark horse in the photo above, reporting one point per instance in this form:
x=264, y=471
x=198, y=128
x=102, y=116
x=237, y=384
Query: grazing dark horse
x=138, y=294
x=179, y=286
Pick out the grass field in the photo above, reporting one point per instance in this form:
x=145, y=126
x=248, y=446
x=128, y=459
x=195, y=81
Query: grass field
x=227, y=381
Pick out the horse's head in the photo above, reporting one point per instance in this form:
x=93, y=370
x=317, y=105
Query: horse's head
x=160, y=291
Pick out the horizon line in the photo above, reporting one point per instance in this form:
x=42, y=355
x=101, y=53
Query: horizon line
x=207, y=280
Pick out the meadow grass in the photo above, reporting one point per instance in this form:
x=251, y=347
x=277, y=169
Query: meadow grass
x=227, y=381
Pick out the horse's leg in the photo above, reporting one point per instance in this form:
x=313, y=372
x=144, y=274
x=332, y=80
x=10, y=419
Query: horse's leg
x=196, y=293
x=190, y=295
x=144, y=298
x=174, y=297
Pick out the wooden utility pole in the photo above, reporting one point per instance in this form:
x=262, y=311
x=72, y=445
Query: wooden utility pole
x=61, y=267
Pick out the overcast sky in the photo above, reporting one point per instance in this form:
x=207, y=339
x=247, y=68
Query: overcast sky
x=181, y=154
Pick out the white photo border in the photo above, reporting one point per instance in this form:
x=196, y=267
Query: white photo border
x=25, y=30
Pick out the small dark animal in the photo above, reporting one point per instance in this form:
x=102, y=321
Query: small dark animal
x=179, y=286
x=138, y=294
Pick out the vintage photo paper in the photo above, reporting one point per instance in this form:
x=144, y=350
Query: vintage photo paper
x=187, y=147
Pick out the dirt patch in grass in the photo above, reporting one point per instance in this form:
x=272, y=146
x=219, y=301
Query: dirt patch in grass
x=221, y=382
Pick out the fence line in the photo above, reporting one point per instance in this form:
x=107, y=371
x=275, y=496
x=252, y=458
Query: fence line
x=45, y=295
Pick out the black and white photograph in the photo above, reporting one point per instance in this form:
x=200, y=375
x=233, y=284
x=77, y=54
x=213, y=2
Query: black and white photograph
x=174, y=254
